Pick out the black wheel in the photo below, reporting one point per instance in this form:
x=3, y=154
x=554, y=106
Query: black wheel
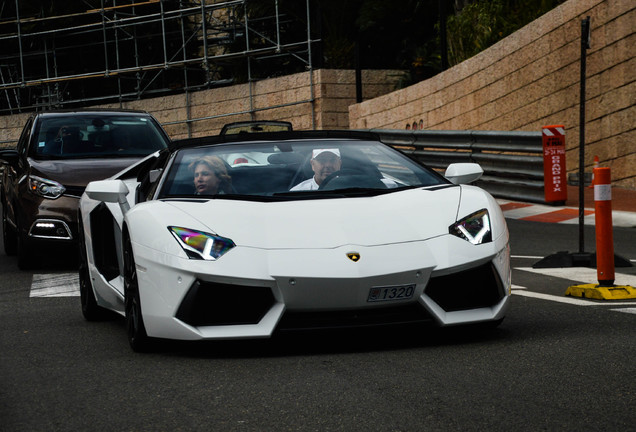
x=9, y=236
x=26, y=258
x=90, y=309
x=137, y=336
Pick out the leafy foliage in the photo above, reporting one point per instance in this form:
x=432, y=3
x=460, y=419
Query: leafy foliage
x=479, y=24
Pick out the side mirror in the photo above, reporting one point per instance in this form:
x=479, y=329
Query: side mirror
x=463, y=173
x=10, y=156
x=154, y=175
x=110, y=191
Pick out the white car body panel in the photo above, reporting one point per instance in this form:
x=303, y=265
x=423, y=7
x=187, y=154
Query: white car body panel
x=298, y=249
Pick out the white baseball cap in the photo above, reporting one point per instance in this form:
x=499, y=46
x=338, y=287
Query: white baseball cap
x=316, y=152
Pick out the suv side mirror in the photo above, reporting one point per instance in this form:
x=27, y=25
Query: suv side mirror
x=10, y=156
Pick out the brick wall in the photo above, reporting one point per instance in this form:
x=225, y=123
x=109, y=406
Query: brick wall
x=532, y=79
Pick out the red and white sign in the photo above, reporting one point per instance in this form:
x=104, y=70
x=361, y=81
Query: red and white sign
x=554, y=172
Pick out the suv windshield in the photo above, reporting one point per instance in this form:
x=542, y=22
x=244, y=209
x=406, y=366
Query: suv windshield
x=293, y=169
x=82, y=136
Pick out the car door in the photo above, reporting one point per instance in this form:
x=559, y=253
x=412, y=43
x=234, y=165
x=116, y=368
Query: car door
x=17, y=170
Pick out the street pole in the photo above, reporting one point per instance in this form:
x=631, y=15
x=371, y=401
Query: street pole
x=580, y=259
x=585, y=45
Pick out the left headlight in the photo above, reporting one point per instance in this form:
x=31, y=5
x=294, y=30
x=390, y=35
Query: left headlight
x=45, y=188
x=201, y=245
x=474, y=228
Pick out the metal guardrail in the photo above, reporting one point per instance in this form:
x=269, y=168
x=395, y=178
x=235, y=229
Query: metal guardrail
x=512, y=161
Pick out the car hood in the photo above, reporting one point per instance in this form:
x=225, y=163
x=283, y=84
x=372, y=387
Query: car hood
x=396, y=217
x=79, y=172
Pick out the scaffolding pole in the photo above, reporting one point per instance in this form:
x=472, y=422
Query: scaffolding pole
x=124, y=30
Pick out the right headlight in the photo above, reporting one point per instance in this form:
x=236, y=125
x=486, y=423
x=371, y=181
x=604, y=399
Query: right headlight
x=201, y=245
x=44, y=187
x=474, y=228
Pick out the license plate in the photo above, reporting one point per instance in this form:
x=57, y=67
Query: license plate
x=390, y=293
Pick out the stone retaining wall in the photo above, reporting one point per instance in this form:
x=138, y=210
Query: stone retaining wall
x=532, y=79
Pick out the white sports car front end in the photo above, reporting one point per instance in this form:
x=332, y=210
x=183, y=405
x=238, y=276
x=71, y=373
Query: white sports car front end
x=382, y=241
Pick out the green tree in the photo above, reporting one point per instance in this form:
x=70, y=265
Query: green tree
x=476, y=25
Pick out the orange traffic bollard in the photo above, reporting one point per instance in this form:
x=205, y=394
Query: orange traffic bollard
x=605, y=290
x=604, y=228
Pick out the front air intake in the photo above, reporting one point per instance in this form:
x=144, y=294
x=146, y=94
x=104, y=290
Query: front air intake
x=209, y=304
x=470, y=289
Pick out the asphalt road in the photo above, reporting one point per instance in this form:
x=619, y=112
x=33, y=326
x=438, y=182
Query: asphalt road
x=550, y=366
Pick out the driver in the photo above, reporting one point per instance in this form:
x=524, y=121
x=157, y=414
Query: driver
x=323, y=163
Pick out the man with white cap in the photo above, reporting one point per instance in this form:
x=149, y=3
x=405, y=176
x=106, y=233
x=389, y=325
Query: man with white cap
x=323, y=162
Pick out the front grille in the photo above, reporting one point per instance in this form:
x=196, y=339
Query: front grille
x=470, y=289
x=208, y=304
x=411, y=313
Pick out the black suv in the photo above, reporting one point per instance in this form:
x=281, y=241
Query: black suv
x=57, y=155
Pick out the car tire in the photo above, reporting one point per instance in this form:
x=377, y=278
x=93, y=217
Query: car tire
x=9, y=235
x=90, y=309
x=26, y=260
x=135, y=328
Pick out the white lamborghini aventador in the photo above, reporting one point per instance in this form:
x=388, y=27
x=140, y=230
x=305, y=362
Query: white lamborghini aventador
x=336, y=229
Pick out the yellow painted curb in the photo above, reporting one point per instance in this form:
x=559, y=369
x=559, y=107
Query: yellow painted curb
x=592, y=291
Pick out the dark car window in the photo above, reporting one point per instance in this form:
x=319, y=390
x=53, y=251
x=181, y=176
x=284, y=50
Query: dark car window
x=24, y=137
x=272, y=169
x=100, y=136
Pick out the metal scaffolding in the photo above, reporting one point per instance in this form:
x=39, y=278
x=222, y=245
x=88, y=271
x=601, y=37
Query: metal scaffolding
x=122, y=50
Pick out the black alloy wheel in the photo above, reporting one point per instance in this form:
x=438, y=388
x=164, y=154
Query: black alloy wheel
x=26, y=258
x=137, y=336
x=9, y=236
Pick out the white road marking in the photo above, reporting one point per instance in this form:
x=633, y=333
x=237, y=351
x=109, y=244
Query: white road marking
x=585, y=275
x=569, y=300
x=55, y=285
x=619, y=218
x=626, y=310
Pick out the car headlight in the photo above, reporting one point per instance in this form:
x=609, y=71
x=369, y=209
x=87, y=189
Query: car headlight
x=45, y=188
x=201, y=245
x=474, y=228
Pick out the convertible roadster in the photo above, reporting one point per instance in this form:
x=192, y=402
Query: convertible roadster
x=337, y=229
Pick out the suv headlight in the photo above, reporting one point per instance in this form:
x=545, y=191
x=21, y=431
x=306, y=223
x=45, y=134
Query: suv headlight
x=201, y=245
x=474, y=228
x=45, y=188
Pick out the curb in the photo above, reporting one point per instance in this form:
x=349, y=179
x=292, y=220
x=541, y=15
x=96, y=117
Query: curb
x=598, y=292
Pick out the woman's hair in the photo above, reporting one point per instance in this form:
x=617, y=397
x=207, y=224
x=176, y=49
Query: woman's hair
x=218, y=168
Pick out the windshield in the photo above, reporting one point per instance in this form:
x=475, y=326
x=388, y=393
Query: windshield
x=99, y=135
x=293, y=169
